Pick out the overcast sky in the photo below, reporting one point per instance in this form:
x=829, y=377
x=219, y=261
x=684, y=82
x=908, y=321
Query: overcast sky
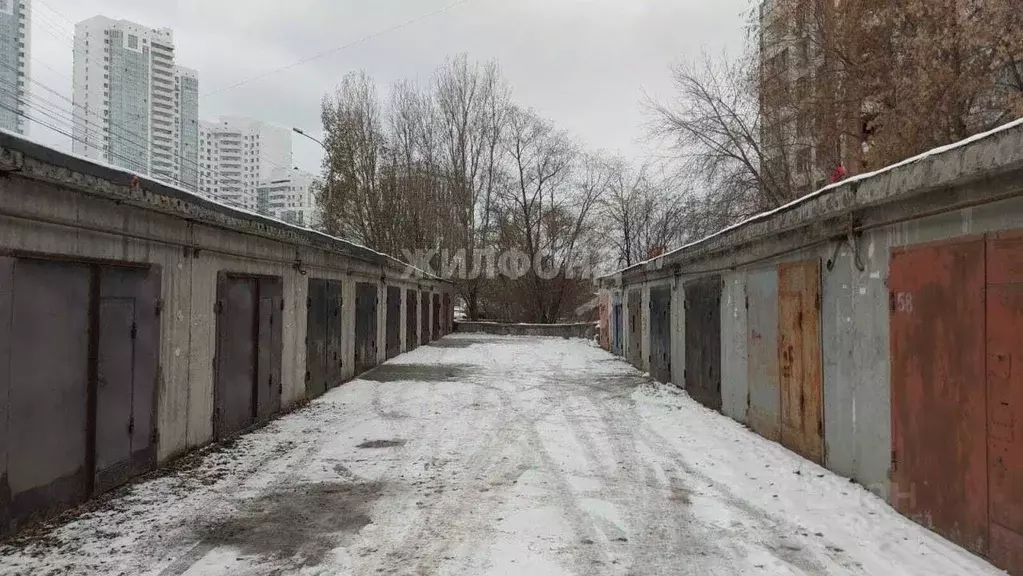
x=586, y=64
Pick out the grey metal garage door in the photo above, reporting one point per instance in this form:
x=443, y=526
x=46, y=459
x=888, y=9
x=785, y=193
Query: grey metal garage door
x=365, y=327
x=393, y=321
x=660, y=333
x=411, y=320
x=248, y=375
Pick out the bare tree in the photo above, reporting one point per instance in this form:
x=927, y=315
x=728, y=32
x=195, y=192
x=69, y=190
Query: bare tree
x=471, y=102
x=547, y=211
x=715, y=128
x=643, y=214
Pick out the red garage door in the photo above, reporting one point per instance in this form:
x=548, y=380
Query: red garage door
x=939, y=408
x=1005, y=398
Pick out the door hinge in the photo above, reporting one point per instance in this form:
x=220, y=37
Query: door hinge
x=218, y=307
x=895, y=461
x=159, y=306
x=154, y=437
x=282, y=304
x=134, y=331
x=308, y=302
x=131, y=425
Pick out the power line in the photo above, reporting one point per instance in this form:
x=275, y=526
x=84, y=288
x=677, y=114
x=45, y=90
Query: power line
x=131, y=137
x=55, y=11
x=362, y=40
x=77, y=42
x=59, y=131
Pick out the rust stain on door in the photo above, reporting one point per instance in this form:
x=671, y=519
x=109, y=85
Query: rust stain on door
x=799, y=355
x=939, y=407
x=1005, y=399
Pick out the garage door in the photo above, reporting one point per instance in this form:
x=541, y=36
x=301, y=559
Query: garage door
x=799, y=342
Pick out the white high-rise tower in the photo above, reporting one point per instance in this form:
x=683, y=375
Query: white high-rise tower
x=15, y=43
x=236, y=155
x=132, y=106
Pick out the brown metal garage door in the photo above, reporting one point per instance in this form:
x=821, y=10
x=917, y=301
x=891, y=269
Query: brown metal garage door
x=799, y=343
x=939, y=409
x=703, y=341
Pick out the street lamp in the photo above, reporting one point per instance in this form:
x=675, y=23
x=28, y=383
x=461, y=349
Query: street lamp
x=330, y=169
x=322, y=145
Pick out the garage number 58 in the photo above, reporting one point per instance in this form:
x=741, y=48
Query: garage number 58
x=904, y=302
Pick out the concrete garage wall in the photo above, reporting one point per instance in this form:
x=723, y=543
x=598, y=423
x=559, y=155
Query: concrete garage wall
x=968, y=190
x=58, y=207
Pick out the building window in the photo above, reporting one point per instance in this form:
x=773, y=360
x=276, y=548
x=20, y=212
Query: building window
x=133, y=42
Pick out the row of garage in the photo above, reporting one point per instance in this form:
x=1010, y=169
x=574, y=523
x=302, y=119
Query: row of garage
x=875, y=328
x=138, y=322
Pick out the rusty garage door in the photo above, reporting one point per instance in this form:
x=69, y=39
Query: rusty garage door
x=939, y=408
x=365, y=327
x=764, y=414
x=703, y=341
x=127, y=359
x=78, y=370
x=248, y=373
x=324, y=359
x=411, y=316
x=393, y=322
x=1005, y=399
x=424, y=319
x=660, y=333
x=635, y=343
x=799, y=358
x=436, y=316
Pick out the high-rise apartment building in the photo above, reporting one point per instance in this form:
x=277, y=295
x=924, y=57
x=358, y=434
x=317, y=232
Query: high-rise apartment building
x=186, y=95
x=290, y=196
x=236, y=154
x=789, y=61
x=131, y=103
x=15, y=43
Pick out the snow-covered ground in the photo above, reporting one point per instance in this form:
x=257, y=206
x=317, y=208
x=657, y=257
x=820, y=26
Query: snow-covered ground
x=495, y=455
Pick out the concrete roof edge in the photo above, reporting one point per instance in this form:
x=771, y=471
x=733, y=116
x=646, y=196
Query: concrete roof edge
x=984, y=155
x=172, y=197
